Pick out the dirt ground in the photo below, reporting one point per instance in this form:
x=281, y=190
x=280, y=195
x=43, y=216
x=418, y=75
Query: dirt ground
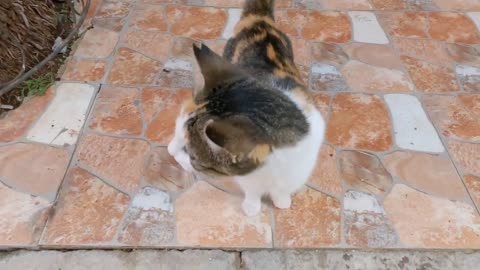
x=35, y=24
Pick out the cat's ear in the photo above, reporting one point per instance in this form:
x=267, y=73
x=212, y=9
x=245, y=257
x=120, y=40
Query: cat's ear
x=239, y=137
x=215, y=70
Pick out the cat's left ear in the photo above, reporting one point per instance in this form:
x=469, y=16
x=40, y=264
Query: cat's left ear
x=215, y=69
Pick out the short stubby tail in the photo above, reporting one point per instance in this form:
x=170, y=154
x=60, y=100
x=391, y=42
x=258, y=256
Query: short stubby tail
x=259, y=8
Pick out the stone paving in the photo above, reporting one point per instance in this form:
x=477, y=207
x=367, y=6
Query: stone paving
x=398, y=81
x=246, y=260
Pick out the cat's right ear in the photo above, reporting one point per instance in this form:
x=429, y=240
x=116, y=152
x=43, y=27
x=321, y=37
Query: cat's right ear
x=239, y=137
x=216, y=71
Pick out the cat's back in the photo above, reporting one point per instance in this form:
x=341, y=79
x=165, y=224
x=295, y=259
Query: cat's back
x=262, y=49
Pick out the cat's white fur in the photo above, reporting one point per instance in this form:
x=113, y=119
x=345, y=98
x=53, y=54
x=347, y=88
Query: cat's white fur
x=285, y=171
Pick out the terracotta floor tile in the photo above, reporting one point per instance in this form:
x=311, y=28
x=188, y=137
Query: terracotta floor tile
x=153, y=100
x=453, y=28
x=432, y=174
x=164, y=173
x=33, y=168
x=365, y=223
x=466, y=155
x=322, y=101
x=229, y=227
x=369, y=78
x=147, y=17
x=197, y=22
x=120, y=161
x=84, y=70
x=227, y=184
x=23, y=218
x=462, y=54
x=346, y=4
x=298, y=18
x=302, y=50
x=112, y=24
x=224, y=3
x=373, y=54
x=435, y=49
x=312, y=221
x=149, y=220
x=88, y=212
x=132, y=68
x=115, y=111
x=469, y=78
x=329, y=54
x=457, y=4
x=327, y=78
x=326, y=176
x=176, y=73
x=431, y=78
x=162, y=127
x=410, y=24
x=423, y=49
x=113, y=9
x=389, y=4
x=156, y=45
x=424, y=221
x=283, y=3
x=452, y=117
x=282, y=21
x=182, y=47
x=471, y=103
x=328, y=26
x=364, y=172
x=351, y=114
x=16, y=123
x=97, y=43
x=94, y=4
x=473, y=185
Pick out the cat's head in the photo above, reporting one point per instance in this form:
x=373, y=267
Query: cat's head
x=212, y=138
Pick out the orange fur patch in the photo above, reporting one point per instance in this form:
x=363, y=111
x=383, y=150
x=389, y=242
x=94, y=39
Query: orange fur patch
x=189, y=106
x=260, y=152
x=241, y=46
x=272, y=55
x=250, y=20
x=283, y=70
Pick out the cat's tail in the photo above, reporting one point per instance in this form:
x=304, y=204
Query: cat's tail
x=259, y=8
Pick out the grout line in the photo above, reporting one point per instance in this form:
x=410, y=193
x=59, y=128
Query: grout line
x=63, y=183
x=104, y=180
x=272, y=224
x=121, y=36
x=451, y=159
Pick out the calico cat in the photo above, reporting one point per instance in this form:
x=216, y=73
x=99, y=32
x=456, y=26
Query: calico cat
x=254, y=118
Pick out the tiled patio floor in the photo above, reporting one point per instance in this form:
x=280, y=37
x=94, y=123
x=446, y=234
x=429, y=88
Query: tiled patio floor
x=398, y=81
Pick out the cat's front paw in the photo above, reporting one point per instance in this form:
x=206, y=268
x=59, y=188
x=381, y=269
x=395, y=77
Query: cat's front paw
x=282, y=202
x=251, y=208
